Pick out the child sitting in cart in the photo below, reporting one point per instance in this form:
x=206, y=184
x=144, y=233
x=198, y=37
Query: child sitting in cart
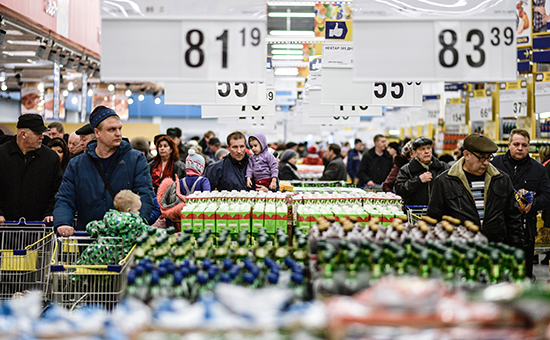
x=116, y=233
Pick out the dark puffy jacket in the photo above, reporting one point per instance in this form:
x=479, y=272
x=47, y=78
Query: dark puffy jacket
x=409, y=186
x=335, y=170
x=374, y=168
x=451, y=195
x=228, y=174
x=398, y=161
x=28, y=188
x=288, y=172
x=530, y=175
x=83, y=189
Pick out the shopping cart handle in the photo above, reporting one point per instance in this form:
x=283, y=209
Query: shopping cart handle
x=23, y=222
x=76, y=233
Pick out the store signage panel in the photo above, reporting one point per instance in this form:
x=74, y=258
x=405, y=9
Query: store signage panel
x=513, y=99
x=218, y=93
x=211, y=111
x=542, y=92
x=338, y=88
x=455, y=111
x=431, y=108
x=480, y=106
x=176, y=40
x=357, y=110
x=409, y=39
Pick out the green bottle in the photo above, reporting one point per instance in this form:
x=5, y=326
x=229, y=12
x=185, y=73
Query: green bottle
x=519, y=265
x=424, y=270
x=495, y=266
x=448, y=265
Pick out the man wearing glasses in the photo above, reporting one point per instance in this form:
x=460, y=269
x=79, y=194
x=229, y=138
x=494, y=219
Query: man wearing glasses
x=529, y=175
x=474, y=190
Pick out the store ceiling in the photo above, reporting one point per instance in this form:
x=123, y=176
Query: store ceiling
x=19, y=61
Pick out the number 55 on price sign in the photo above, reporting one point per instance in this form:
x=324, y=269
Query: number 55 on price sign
x=410, y=39
x=181, y=40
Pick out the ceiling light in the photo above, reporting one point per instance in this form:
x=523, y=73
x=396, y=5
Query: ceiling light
x=24, y=42
x=40, y=87
x=20, y=53
x=13, y=32
x=74, y=100
x=4, y=87
x=128, y=93
x=300, y=46
x=65, y=93
x=70, y=63
x=141, y=97
x=63, y=58
x=80, y=66
x=111, y=87
x=52, y=56
x=293, y=71
x=295, y=52
x=89, y=70
x=70, y=86
x=2, y=75
x=293, y=33
x=290, y=15
x=130, y=100
x=40, y=51
x=90, y=92
x=287, y=57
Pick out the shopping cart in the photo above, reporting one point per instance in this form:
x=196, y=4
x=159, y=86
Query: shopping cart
x=75, y=284
x=415, y=212
x=25, y=251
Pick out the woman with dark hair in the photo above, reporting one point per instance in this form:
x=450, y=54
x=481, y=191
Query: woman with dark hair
x=167, y=163
x=60, y=146
x=287, y=167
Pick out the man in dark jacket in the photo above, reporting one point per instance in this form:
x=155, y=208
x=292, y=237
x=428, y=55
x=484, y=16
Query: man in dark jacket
x=528, y=174
x=83, y=188
x=335, y=170
x=30, y=173
x=230, y=172
x=354, y=160
x=376, y=164
x=474, y=190
x=415, y=179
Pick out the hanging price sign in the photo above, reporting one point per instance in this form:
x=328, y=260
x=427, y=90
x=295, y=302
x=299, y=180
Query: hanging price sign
x=455, y=111
x=432, y=109
x=357, y=110
x=421, y=40
x=513, y=99
x=542, y=92
x=218, y=93
x=481, y=106
x=178, y=40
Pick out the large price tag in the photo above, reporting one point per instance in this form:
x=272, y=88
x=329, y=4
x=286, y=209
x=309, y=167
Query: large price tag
x=455, y=113
x=175, y=40
x=426, y=41
x=481, y=108
x=513, y=101
x=219, y=93
x=357, y=110
x=211, y=111
x=431, y=108
x=542, y=92
x=338, y=88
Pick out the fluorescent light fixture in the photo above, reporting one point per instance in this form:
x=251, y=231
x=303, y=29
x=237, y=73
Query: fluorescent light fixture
x=20, y=53
x=24, y=42
x=2, y=75
x=290, y=15
x=141, y=97
x=13, y=32
x=111, y=87
x=290, y=3
x=300, y=46
x=544, y=115
x=293, y=33
x=394, y=132
x=70, y=86
x=90, y=92
x=295, y=52
x=287, y=57
x=65, y=93
x=292, y=71
x=4, y=87
x=130, y=101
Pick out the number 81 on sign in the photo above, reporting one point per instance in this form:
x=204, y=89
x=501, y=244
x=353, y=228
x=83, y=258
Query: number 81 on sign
x=223, y=50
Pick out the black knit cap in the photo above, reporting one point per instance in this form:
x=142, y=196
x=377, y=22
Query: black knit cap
x=479, y=143
x=420, y=142
x=32, y=121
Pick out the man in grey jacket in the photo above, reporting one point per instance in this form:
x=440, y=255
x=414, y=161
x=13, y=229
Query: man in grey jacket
x=335, y=170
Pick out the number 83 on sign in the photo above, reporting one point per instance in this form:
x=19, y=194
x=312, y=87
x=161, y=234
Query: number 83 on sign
x=223, y=50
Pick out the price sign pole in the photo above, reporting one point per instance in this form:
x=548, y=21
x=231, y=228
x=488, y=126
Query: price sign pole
x=424, y=41
x=178, y=40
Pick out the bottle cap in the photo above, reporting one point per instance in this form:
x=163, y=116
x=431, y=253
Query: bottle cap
x=255, y=271
x=193, y=269
x=225, y=278
x=178, y=278
x=154, y=278
x=201, y=278
x=206, y=263
x=162, y=271
x=184, y=272
x=139, y=271
x=188, y=230
x=297, y=278
x=171, y=230
x=131, y=277
x=212, y=272
x=273, y=278
x=248, y=278
x=227, y=264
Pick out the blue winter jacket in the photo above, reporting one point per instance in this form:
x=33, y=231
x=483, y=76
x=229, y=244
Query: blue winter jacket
x=228, y=174
x=83, y=189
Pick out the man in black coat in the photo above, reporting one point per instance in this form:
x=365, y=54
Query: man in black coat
x=415, y=179
x=528, y=174
x=376, y=164
x=30, y=173
x=335, y=170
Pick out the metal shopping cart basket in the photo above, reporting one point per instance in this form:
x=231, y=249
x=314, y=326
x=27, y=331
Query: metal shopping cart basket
x=75, y=284
x=25, y=252
x=415, y=212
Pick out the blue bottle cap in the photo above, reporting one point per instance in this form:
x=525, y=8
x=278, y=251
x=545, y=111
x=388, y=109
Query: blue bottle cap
x=206, y=263
x=162, y=271
x=234, y=272
x=131, y=277
x=225, y=278
x=139, y=270
x=255, y=271
x=297, y=269
x=297, y=278
x=149, y=267
x=273, y=278
x=184, y=272
x=178, y=278
x=171, y=268
x=227, y=264
x=248, y=278
x=289, y=261
x=154, y=278
x=202, y=278
x=193, y=269
x=212, y=272
x=248, y=263
x=269, y=261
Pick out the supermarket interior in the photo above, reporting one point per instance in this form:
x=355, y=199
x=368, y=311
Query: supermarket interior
x=174, y=169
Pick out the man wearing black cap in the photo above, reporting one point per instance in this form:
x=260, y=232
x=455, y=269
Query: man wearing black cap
x=86, y=135
x=92, y=179
x=415, y=179
x=529, y=175
x=30, y=173
x=474, y=190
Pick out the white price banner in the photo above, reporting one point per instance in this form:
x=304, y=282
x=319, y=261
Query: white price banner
x=220, y=93
x=513, y=103
x=337, y=54
x=357, y=110
x=455, y=114
x=216, y=111
x=542, y=93
x=313, y=112
x=178, y=40
x=338, y=88
x=432, y=109
x=315, y=79
x=481, y=109
x=426, y=41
